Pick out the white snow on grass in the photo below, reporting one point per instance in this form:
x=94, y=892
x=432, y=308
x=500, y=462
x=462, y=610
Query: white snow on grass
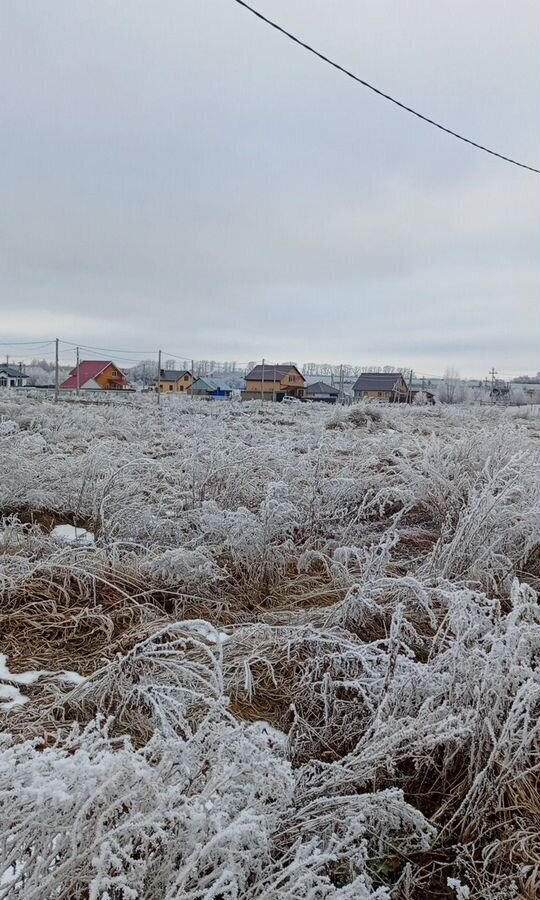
x=29, y=677
x=70, y=534
x=313, y=635
x=11, y=697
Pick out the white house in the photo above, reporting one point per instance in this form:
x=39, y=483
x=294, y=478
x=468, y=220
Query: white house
x=10, y=376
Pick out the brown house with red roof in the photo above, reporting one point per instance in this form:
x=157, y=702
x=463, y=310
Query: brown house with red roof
x=96, y=375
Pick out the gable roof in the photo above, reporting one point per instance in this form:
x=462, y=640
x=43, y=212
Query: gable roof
x=320, y=387
x=88, y=369
x=173, y=374
x=12, y=372
x=270, y=372
x=211, y=384
x=379, y=381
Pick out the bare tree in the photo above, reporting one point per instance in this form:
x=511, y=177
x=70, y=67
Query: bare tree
x=452, y=389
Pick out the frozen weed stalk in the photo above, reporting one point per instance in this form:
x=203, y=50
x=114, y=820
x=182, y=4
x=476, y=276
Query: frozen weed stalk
x=297, y=661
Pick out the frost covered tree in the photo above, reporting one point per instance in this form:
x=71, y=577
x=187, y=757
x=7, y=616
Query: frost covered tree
x=452, y=390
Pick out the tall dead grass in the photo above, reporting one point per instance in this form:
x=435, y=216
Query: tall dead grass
x=341, y=621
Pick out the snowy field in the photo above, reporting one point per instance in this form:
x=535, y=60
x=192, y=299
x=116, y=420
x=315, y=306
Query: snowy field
x=287, y=653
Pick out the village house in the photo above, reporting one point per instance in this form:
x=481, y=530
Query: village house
x=211, y=388
x=390, y=387
x=274, y=382
x=320, y=392
x=96, y=375
x=12, y=376
x=175, y=381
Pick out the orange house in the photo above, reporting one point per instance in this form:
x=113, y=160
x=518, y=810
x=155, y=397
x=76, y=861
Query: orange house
x=96, y=374
x=275, y=382
x=174, y=381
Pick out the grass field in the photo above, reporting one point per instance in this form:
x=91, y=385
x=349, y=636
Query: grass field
x=293, y=654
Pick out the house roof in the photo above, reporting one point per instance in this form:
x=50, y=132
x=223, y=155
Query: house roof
x=320, y=387
x=173, y=374
x=420, y=390
x=12, y=372
x=88, y=369
x=378, y=381
x=210, y=384
x=271, y=372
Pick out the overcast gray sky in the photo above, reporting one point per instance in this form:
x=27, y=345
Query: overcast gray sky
x=176, y=174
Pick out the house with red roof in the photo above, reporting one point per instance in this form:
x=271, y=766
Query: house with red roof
x=96, y=375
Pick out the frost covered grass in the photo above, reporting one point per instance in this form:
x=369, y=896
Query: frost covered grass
x=299, y=658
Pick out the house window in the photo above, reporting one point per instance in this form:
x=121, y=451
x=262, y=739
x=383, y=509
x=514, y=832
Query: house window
x=186, y=377
x=181, y=387
x=114, y=372
x=3, y=381
x=170, y=387
x=292, y=379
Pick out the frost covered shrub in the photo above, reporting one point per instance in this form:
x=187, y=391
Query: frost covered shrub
x=307, y=654
x=184, y=569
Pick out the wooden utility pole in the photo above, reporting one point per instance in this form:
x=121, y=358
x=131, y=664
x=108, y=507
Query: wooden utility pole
x=78, y=373
x=409, y=392
x=159, y=378
x=56, y=373
x=274, y=387
x=262, y=382
x=493, y=373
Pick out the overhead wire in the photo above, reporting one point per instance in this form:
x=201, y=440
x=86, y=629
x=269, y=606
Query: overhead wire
x=379, y=92
x=24, y=343
x=107, y=349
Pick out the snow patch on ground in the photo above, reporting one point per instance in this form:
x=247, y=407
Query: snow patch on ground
x=10, y=695
x=70, y=534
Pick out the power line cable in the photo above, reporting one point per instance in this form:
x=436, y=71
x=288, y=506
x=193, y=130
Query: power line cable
x=23, y=343
x=380, y=93
x=108, y=349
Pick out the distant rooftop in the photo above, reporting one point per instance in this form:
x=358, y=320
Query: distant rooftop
x=12, y=371
x=270, y=372
x=378, y=381
x=173, y=374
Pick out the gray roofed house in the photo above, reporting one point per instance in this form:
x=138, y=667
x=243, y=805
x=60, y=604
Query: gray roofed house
x=275, y=381
x=210, y=387
x=389, y=386
x=321, y=392
x=174, y=380
x=12, y=376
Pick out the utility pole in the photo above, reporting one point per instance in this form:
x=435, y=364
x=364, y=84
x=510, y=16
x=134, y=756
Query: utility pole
x=192, y=377
x=56, y=373
x=493, y=373
x=274, y=387
x=78, y=373
x=262, y=382
x=159, y=378
x=409, y=392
